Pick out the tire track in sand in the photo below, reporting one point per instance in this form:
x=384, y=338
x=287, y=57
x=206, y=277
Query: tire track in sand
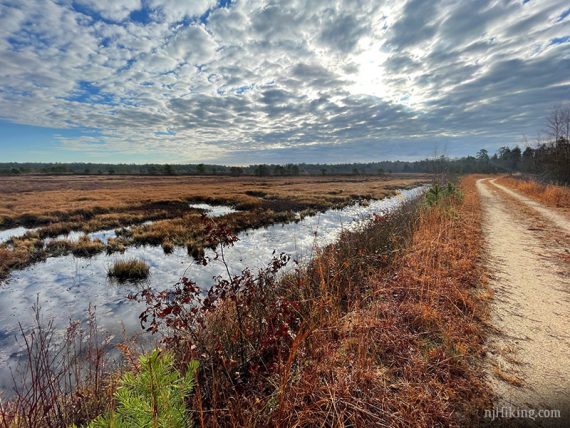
x=529, y=362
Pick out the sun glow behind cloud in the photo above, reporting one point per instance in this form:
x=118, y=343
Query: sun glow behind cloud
x=240, y=82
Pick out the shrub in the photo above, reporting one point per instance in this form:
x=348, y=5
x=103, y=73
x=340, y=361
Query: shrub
x=247, y=327
x=129, y=270
x=154, y=396
x=71, y=364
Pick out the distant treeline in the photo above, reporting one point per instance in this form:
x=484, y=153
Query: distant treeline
x=467, y=164
x=549, y=159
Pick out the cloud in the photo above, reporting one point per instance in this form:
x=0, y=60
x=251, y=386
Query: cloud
x=191, y=44
x=112, y=9
x=177, y=10
x=417, y=23
x=203, y=80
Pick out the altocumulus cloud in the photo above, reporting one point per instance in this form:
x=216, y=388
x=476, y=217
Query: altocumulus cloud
x=246, y=81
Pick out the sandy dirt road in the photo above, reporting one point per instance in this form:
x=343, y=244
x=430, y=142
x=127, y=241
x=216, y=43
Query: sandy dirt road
x=528, y=247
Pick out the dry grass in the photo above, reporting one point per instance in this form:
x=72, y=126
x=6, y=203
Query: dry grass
x=549, y=194
x=384, y=328
x=129, y=270
x=44, y=199
x=23, y=252
x=507, y=377
x=15, y=259
x=408, y=354
x=389, y=331
x=30, y=249
x=86, y=247
x=66, y=378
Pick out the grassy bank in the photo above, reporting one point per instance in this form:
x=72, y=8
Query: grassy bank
x=549, y=194
x=390, y=330
x=384, y=328
x=387, y=328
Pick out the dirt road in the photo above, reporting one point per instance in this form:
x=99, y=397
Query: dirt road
x=527, y=247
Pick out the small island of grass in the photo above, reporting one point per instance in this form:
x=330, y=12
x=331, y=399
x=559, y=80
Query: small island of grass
x=129, y=270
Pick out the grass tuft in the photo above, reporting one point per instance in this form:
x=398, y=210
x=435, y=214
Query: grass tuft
x=87, y=247
x=129, y=270
x=167, y=247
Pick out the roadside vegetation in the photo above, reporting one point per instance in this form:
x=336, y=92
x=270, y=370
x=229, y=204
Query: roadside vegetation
x=549, y=194
x=383, y=328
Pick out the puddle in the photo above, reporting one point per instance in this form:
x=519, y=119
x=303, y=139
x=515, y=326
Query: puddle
x=102, y=235
x=214, y=210
x=74, y=236
x=16, y=232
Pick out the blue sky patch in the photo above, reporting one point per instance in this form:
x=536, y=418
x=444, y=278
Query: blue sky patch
x=563, y=15
x=90, y=93
x=243, y=89
x=93, y=14
x=142, y=16
x=559, y=40
x=169, y=133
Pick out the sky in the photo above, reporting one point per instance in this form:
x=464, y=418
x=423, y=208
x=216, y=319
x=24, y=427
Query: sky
x=242, y=82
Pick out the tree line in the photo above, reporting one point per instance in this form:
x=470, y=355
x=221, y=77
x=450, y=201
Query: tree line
x=548, y=158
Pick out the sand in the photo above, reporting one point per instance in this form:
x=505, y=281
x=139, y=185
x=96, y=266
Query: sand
x=529, y=354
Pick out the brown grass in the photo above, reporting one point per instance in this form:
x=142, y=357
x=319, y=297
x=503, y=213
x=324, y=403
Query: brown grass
x=129, y=270
x=86, y=247
x=549, y=194
x=506, y=376
x=408, y=354
x=389, y=332
x=43, y=199
x=15, y=259
x=23, y=252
